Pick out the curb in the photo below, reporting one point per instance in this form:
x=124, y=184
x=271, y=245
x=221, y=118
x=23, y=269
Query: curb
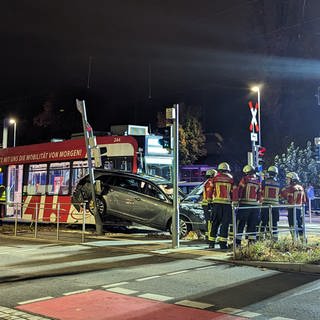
x=281, y=266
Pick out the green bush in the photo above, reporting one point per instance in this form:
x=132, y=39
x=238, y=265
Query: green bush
x=283, y=250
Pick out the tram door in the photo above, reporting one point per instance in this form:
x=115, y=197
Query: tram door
x=14, y=190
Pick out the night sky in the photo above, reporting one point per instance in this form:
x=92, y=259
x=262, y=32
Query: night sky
x=131, y=59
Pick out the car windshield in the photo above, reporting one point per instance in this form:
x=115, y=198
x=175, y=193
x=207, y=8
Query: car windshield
x=168, y=190
x=195, y=194
x=197, y=190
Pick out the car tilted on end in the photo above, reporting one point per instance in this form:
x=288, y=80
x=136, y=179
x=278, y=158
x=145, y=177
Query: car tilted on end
x=124, y=198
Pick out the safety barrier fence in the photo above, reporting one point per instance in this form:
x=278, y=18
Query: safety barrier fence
x=57, y=211
x=270, y=232
x=315, y=201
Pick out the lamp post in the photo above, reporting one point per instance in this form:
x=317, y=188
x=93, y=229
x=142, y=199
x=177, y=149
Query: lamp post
x=257, y=89
x=14, y=122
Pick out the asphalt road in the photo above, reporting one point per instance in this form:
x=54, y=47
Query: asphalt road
x=134, y=279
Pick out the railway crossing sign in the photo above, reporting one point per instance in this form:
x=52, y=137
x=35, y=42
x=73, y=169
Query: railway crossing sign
x=254, y=126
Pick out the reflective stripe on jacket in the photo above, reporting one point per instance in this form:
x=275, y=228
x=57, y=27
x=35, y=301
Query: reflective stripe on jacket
x=270, y=191
x=294, y=194
x=249, y=190
x=222, y=188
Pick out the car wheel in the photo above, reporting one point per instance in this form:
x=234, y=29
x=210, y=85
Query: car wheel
x=101, y=206
x=184, y=227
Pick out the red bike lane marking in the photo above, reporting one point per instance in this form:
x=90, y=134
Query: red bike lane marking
x=104, y=305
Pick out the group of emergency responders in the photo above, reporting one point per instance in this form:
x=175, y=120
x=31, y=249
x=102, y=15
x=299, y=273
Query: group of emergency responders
x=220, y=193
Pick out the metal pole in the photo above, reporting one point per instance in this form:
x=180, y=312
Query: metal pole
x=303, y=212
x=295, y=223
x=58, y=220
x=176, y=216
x=259, y=116
x=14, y=133
x=82, y=109
x=234, y=227
x=83, y=222
x=5, y=134
x=270, y=222
x=36, y=222
x=15, y=223
x=309, y=210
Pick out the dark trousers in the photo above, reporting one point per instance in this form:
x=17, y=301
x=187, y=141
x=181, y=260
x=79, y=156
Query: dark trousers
x=247, y=217
x=207, y=209
x=221, y=217
x=298, y=220
x=264, y=222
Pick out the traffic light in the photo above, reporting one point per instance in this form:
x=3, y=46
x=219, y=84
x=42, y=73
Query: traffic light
x=165, y=141
x=261, y=151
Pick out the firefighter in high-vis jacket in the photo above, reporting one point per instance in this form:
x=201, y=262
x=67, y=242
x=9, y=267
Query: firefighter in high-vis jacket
x=249, y=194
x=207, y=200
x=270, y=196
x=223, y=185
x=294, y=194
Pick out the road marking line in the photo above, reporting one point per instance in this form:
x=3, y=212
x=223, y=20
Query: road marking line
x=230, y=310
x=75, y=292
x=157, y=297
x=114, y=284
x=248, y=314
x=148, y=278
x=35, y=300
x=177, y=272
x=194, y=304
x=203, y=268
x=281, y=318
x=122, y=290
x=8, y=313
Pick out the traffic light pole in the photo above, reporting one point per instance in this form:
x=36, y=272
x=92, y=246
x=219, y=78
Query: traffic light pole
x=176, y=214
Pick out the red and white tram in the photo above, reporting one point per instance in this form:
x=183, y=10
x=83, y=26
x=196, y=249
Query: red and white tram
x=39, y=179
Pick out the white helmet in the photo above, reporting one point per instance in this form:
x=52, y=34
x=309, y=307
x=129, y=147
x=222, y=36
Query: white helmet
x=273, y=169
x=211, y=172
x=224, y=166
x=292, y=176
x=248, y=168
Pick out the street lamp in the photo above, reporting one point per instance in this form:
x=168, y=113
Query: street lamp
x=14, y=122
x=257, y=89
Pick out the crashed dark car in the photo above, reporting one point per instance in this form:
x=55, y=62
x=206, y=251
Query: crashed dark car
x=139, y=198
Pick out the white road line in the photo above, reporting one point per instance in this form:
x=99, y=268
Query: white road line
x=248, y=314
x=8, y=313
x=281, y=318
x=75, y=292
x=203, y=268
x=177, y=272
x=157, y=297
x=194, y=304
x=230, y=310
x=114, y=284
x=148, y=278
x=122, y=290
x=35, y=300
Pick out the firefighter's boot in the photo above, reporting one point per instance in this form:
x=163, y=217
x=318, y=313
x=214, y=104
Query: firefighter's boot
x=211, y=244
x=223, y=245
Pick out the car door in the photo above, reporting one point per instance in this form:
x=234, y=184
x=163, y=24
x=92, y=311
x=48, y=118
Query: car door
x=151, y=207
x=120, y=196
